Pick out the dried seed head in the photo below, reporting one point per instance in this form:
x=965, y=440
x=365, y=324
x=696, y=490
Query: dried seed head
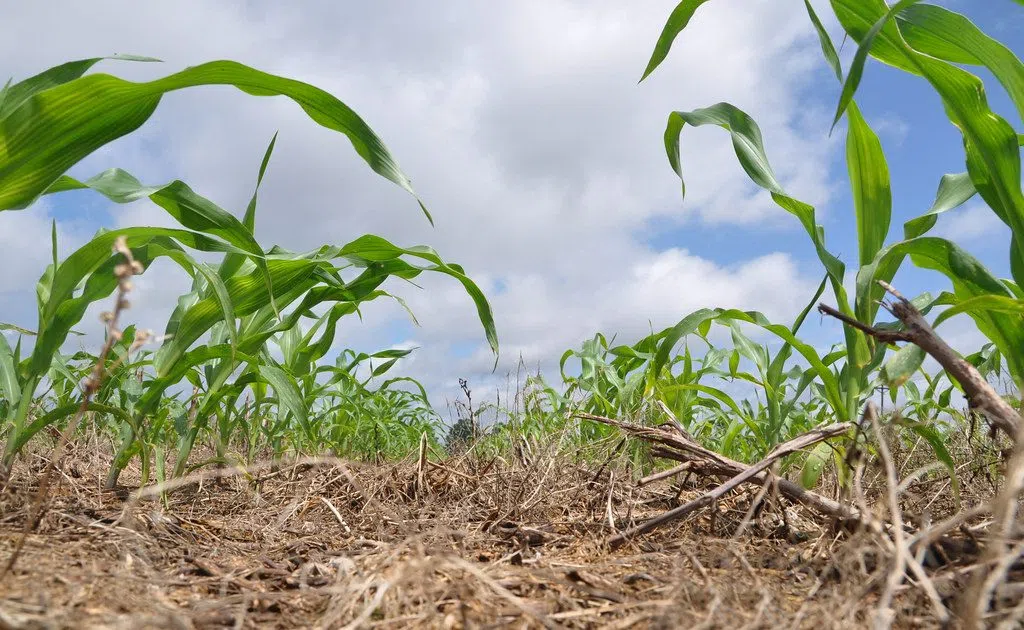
x=137, y=267
x=106, y=317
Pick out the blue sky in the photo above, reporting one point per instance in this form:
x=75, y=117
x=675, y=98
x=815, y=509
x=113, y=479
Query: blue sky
x=525, y=130
x=920, y=144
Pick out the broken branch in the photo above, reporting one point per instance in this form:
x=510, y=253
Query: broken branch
x=980, y=395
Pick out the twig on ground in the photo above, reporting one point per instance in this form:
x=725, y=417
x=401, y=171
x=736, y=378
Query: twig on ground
x=754, y=505
x=884, y=612
x=665, y=474
x=508, y=595
x=709, y=462
x=1004, y=511
x=337, y=514
x=786, y=448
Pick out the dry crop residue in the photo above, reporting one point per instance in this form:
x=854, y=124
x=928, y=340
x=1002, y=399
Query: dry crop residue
x=459, y=544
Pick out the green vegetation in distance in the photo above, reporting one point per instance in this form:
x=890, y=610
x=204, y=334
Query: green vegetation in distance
x=244, y=403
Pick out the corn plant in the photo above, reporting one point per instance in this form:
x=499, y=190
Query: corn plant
x=926, y=41
x=53, y=120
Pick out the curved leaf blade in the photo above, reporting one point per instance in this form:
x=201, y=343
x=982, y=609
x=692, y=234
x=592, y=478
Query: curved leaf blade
x=57, y=127
x=677, y=21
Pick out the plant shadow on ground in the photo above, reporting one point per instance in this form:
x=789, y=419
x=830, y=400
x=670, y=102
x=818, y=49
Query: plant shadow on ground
x=467, y=541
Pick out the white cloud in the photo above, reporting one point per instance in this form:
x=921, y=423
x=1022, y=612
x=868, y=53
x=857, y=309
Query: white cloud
x=891, y=129
x=974, y=223
x=521, y=125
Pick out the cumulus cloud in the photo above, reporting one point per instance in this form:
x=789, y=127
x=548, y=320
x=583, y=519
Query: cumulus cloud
x=972, y=224
x=520, y=124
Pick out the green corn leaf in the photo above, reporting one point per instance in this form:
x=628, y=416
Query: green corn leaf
x=749, y=148
x=991, y=144
x=869, y=181
x=970, y=280
x=53, y=242
x=10, y=388
x=938, y=443
x=383, y=367
x=288, y=394
x=857, y=17
x=53, y=129
x=827, y=47
x=954, y=191
x=92, y=267
x=375, y=248
x=703, y=329
x=983, y=303
x=60, y=413
x=748, y=348
x=247, y=293
x=231, y=263
x=18, y=329
x=673, y=335
x=814, y=465
x=15, y=95
x=722, y=397
x=311, y=351
x=861, y=56
x=829, y=383
x=950, y=36
x=289, y=341
x=190, y=209
x=203, y=354
x=775, y=374
x=4, y=92
x=902, y=365
x=677, y=21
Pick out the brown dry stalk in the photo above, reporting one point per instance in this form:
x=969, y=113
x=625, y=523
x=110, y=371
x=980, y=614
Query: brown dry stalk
x=997, y=560
x=980, y=395
x=747, y=474
x=504, y=593
x=90, y=386
x=708, y=462
x=903, y=558
x=671, y=472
